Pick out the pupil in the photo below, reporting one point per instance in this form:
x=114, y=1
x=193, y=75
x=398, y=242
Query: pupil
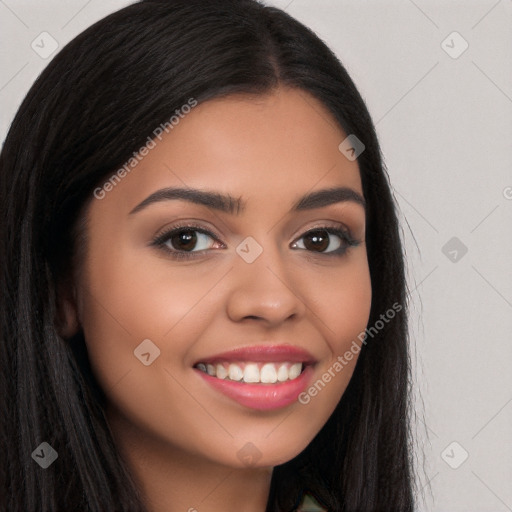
x=186, y=239
x=317, y=240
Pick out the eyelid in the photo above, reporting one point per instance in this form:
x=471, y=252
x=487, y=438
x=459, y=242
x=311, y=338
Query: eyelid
x=166, y=230
x=182, y=225
x=327, y=224
x=185, y=222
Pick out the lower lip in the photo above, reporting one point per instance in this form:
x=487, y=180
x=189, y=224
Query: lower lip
x=264, y=397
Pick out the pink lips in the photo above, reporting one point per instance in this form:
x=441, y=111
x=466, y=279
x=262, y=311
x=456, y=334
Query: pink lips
x=258, y=395
x=264, y=354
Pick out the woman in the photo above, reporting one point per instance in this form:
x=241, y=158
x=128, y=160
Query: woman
x=203, y=284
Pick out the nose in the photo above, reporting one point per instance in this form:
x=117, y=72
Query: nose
x=264, y=290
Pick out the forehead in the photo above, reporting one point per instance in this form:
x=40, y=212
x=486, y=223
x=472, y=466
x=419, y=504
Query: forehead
x=271, y=148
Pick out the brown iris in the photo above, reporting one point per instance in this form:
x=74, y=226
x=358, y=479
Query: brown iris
x=316, y=240
x=185, y=239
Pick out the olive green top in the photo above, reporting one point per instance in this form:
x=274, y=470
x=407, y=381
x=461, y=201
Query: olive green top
x=309, y=504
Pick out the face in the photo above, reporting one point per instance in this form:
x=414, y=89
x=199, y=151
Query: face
x=188, y=302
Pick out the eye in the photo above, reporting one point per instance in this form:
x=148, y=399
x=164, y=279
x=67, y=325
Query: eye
x=326, y=240
x=184, y=241
x=187, y=240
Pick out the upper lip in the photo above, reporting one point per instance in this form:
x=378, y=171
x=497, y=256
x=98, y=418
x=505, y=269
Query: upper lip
x=263, y=354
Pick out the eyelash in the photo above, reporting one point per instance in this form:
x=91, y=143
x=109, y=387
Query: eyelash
x=161, y=240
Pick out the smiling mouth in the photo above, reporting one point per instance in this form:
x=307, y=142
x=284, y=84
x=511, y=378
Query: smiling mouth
x=252, y=372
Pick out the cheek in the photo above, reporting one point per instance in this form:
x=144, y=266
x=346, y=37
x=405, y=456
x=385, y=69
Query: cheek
x=129, y=298
x=130, y=309
x=344, y=301
x=343, y=312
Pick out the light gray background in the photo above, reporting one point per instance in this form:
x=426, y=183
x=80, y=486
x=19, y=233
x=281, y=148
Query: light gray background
x=445, y=125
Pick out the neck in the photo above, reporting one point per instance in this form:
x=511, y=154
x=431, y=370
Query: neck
x=174, y=480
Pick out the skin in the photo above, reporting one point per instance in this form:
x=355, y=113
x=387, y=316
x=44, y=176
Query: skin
x=179, y=436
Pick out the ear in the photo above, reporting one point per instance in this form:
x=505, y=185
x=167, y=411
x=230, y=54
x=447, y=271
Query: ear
x=67, y=322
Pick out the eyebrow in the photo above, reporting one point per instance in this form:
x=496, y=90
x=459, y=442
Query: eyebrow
x=229, y=204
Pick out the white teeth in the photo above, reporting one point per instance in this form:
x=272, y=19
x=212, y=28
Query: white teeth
x=222, y=373
x=282, y=373
x=235, y=372
x=251, y=373
x=294, y=371
x=268, y=373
